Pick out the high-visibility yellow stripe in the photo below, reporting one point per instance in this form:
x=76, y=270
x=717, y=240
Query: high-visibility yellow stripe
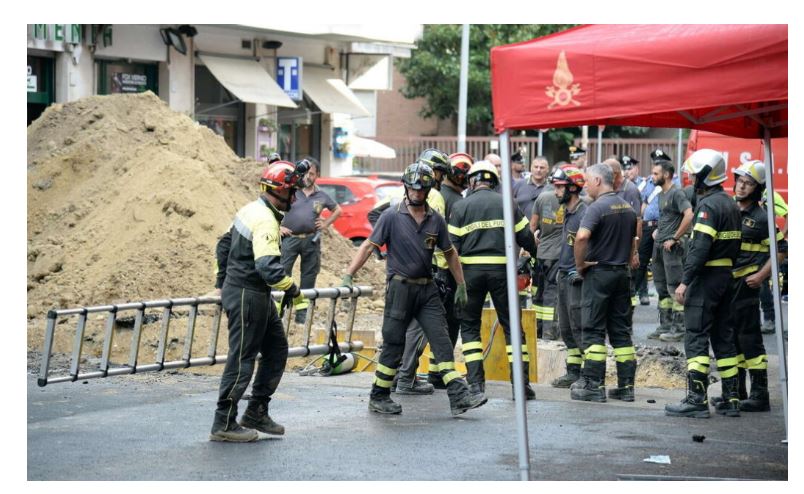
x=678, y=307
x=574, y=360
x=386, y=370
x=432, y=367
x=574, y=351
x=450, y=376
x=522, y=224
x=284, y=283
x=430, y=356
x=442, y=366
x=728, y=372
x=703, y=360
x=700, y=227
x=729, y=235
x=720, y=262
x=483, y=259
x=741, y=361
x=757, y=363
x=666, y=303
x=727, y=362
x=745, y=270
x=779, y=237
x=704, y=369
x=749, y=247
x=634, y=301
x=383, y=383
x=472, y=345
x=477, y=225
x=473, y=357
x=596, y=348
x=596, y=352
x=625, y=350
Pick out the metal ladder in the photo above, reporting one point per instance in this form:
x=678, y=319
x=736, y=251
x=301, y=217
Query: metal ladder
x=107, y=368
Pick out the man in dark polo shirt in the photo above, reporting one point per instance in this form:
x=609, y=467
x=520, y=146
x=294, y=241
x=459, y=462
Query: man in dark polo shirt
x=526, y=191
x=630, y=193
x=546, y=217
x=411, y=230
x=300, y=235
x=604, y=249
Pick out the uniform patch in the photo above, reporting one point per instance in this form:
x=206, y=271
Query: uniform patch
x=703, y=216
x=430, y=241
x=560, y=215
x=749, y=222
x=318, y=206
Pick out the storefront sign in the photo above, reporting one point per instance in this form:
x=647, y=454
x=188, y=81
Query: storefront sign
x=31, y=80
x=289, y=76
x=128, y=83
x=56, y=35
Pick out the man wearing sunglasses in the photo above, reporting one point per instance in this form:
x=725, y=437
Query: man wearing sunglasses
x=250, y=256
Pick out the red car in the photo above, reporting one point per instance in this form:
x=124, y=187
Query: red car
x=356, y=196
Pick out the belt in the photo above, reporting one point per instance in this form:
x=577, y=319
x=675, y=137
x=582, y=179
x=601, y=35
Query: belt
x=724, y=262
x=609, y=267
x=302, y=235
x=414, y=281
x=651, y=223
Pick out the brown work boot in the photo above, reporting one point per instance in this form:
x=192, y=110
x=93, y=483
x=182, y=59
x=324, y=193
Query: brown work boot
x=256, y=417
x=231, y=433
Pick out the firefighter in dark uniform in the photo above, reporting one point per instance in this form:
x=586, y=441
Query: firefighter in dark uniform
x=568, y=182
x=752, y=269
x=412, y=231
x=706, y=289
x=476, y=227
x=253, y=269
x=546, y=217
x=605, y=247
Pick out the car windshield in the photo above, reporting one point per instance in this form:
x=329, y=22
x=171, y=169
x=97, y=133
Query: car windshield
x=382, y=191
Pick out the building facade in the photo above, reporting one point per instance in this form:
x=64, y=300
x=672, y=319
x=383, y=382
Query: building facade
x=297, y=91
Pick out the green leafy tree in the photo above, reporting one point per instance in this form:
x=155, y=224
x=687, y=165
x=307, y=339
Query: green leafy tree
x=434, y=69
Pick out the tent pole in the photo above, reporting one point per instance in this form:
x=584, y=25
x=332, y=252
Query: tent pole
x=599, y=144
x=462, y=90
x=678, y=150
x=513, y=308
x=775, y=288
x=540, y=151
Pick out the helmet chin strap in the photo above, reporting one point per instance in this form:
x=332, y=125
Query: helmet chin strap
x=413, y=203
x=286, y=202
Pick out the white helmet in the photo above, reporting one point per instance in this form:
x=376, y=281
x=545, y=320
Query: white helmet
x=707, y=166
x=754, y=169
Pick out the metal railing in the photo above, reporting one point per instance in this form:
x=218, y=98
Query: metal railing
x=133, y=365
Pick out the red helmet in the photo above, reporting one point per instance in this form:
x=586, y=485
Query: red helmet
x=283, y=175
x=460, y=163
x=568, y=175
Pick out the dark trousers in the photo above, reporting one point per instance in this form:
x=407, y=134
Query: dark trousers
x=707, y=317
x=544, y=302
x=254, y=327
x=482, y=280
x=415, y=340
x=404, y=302
x=747, y=327
x=668, y=268
x=645, y=250
x=605, y=311
x=310, y=253
x=569, y=317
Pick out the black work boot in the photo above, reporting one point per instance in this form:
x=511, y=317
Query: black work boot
x=529, y=393
x=665, y=321
x=590, y=386
x=572, y=375
x=695, y=404
x=741, y=389
x=477, y=387
x=550, y=331
x=758, y=400
x=461, y=398
x=415, y=387
x=384, y=404
x=256, y=417
x=677, y=328
x=626, y=373
x=730, y=405
x=228, y=430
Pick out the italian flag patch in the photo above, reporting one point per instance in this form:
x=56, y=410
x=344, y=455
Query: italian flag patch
x=702, y=215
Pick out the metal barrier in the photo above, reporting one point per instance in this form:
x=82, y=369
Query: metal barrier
x=107, y=368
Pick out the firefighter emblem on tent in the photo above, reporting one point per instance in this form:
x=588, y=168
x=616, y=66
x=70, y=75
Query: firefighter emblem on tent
x=562, y=89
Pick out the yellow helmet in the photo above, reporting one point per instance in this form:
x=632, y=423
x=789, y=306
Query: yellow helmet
x=754, y=169
x=707, y=166
x=485, y=170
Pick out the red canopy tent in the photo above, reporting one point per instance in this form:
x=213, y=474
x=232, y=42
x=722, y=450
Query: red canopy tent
x=729, y=79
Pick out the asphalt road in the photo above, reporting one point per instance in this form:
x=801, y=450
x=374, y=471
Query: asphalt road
x=155, y=427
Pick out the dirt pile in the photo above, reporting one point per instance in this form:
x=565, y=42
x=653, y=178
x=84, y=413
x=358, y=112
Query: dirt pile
x=126, y=200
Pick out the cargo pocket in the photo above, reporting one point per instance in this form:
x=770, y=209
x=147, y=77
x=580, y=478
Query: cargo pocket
x=694, y=314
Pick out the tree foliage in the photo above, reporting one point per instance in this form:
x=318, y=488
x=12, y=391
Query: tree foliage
x=434, y=69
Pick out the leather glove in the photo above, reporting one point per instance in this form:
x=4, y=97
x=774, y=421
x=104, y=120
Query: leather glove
x=287, y=300
x=347, y=280
x=460, y=295
x=574, y=277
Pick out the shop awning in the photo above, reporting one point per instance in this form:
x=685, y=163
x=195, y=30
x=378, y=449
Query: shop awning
x=368, y=148
x=330, y=93
x=247, y=80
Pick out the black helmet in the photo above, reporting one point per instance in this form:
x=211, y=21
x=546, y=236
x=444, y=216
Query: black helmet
x=274, y=157
x=418, y=176
x=435, y=159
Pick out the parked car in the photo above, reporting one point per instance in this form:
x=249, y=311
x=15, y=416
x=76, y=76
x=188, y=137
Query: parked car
x=356, y=196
